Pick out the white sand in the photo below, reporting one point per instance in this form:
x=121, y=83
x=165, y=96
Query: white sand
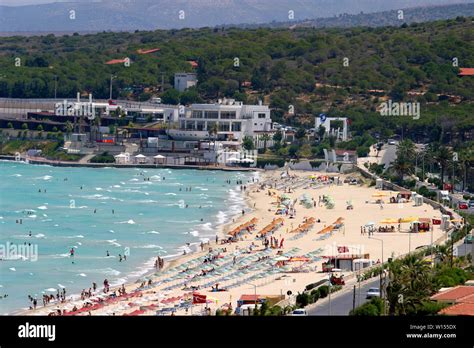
x=395, y=244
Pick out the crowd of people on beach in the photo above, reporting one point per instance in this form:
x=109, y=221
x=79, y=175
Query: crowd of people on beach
x=47, y=299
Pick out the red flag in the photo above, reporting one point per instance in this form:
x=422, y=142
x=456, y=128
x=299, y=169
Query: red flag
x=198, y=298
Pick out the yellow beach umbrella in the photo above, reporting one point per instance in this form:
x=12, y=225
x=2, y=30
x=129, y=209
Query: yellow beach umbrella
x=379, y=194
x=389, y=221
x=408, y=219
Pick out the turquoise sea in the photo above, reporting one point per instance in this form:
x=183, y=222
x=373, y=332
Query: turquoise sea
x=140, y=212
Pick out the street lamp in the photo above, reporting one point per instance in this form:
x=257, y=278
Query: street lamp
x=380, y=240
x=422, y=154
x=111, y=79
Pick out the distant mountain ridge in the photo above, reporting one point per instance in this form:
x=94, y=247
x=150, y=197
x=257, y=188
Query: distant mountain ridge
x=128, y=15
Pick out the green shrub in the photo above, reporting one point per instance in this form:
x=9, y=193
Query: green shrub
x=302, y=300
x=372, y=308
x=314, y=295
x=427, y=308
x=323, y=291
x=105, y=157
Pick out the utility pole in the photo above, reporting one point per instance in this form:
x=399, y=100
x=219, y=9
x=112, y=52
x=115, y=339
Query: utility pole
x=329, y=294
x=354, y=298
x=111, y=79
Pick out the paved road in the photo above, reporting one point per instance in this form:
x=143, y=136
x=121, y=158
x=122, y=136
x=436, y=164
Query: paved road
x=342, y=304
x=390, y=155
x=464, y=249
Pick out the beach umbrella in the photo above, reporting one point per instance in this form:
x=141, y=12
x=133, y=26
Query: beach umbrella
x=281, y=258
x=408, y=219
x=389, y=221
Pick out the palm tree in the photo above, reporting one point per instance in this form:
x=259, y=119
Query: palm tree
x=443, y=156
x=265, y=138
x=213, y=131
x=466, y=159
x=410, y=282
x=406, y=154
x=69, y=127
x=402, y=166
x=406, y=149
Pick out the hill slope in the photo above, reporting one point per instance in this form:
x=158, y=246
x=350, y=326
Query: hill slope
x=126, y=15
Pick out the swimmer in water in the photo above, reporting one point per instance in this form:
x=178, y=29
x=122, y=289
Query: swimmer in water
x=95, y=211
x=29, y=234
x=108, y=253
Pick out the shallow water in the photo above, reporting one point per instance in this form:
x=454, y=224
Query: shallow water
x=150, y=218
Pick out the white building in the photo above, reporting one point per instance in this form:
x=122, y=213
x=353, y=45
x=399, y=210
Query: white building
x=183, y=81
x=232, y=119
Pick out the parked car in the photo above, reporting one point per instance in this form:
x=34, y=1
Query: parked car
x=372, y=292
x=299, y=312
x=463, y=205
x=471, y=204
x=468, y=239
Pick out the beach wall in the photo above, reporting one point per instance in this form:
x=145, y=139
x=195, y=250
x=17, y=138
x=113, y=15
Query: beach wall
x=134, y=165
x=312, y=166
x=387, y=185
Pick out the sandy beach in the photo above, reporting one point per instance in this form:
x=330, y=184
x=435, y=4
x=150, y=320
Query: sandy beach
x=246, y=266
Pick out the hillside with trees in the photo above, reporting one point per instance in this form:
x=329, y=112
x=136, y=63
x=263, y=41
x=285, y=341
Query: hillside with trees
x=337, y=71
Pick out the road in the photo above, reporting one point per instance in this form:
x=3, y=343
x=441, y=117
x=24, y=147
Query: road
x=464, y=249
x=389, y=155
x=342, y=304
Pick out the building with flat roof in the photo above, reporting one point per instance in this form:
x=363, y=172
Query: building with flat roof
x=183, y=81
x=226, y=120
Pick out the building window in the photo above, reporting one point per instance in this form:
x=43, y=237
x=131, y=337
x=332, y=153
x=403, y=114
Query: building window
x=211, y=114
x=228, y=115
x=210, y=125
x=236, y=127
x=197, y=114
x=262, y=115
x=224, y=127
x=200, y=125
